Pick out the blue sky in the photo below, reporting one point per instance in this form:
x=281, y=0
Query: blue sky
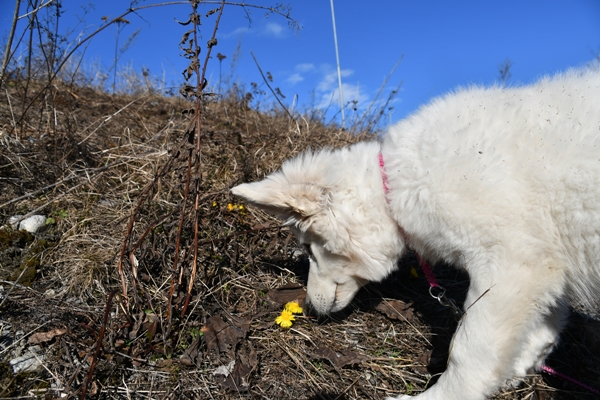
x=444, y=44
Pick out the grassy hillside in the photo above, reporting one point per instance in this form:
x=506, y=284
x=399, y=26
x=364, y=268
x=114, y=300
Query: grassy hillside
x=89, y=161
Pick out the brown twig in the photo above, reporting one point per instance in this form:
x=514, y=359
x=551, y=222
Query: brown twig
x=11, y=35
x=98, y=344
x=143, y=198
x=178, y=243
x=200, y=86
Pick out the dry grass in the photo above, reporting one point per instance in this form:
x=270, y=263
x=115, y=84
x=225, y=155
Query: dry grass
x=86, y=158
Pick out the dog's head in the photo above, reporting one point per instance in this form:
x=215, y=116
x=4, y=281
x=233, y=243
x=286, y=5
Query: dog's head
x=334, y=203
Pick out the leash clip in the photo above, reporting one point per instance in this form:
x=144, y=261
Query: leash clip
x=445, y=301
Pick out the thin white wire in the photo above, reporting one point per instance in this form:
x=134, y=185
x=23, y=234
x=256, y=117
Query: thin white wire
x=339, y=71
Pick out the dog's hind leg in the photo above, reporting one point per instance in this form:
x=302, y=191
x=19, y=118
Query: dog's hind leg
x=540, y=340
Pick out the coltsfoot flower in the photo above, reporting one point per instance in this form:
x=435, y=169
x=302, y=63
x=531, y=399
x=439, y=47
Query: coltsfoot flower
x=285, y=319
x=240, y=208
x=293, y=307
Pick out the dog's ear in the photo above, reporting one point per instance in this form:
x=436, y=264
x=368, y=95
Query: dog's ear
x=277, y=196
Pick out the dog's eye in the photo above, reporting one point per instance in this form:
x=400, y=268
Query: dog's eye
x=308, y=250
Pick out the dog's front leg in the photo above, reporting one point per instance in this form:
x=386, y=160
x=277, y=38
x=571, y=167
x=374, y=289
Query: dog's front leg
x=487, y=348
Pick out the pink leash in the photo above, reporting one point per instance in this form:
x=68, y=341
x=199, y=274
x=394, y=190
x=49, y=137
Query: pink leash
x=551, y=371
x=446, y=302
x=436, y=290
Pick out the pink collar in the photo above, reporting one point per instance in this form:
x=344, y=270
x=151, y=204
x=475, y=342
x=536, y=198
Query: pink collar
x=384, y=177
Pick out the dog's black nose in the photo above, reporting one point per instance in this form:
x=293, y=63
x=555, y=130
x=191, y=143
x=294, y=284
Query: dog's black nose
x=309, y=309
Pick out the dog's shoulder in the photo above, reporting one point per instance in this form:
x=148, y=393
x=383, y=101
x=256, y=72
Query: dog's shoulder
x=481, y=154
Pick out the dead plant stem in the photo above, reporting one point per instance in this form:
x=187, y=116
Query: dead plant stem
x=200, y=87
x=178, y=241
x=11, y=36
x=36, y=10
x=273, y=92
x=12, y=111
x=383, y=85
x=130, y=227
x=98, y=344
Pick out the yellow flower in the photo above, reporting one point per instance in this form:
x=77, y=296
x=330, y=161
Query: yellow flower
x=214, y=203
x=293, y=307
x=413, y=272
x=230, y=206
x=285, y=319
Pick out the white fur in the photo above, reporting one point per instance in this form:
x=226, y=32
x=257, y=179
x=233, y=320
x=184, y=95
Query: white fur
x=502, y=182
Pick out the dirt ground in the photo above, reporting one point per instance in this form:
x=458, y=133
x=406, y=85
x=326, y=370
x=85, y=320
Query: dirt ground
x=112, y=298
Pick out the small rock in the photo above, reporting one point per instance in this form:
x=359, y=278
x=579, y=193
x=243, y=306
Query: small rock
x=6, y=337
x=28, y=362
x=224, y=370
x=31, y=224
x=12, y=221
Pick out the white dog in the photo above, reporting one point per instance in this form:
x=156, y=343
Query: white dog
x=502, y=182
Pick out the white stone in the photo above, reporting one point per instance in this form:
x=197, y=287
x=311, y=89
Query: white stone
x=30, y=224
x=28, y=362
x=12, y=221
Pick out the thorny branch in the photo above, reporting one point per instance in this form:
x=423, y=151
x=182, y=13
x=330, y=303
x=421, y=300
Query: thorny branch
x=200, y=84
x=98, y=344
x=192, y=179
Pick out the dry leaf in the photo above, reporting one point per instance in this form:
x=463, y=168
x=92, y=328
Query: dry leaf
x=396, y=309
x=43, y=337
x=286, y=293
x=93, y=389
x=192, y=355
x=239, y=380
x=338, y=359
x=222, y=337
